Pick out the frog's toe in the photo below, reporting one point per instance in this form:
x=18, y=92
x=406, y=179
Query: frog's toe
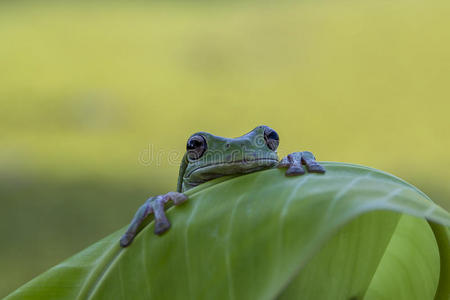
x=126, y=240
x=161, y=226
x=295, y=170
x=284, y=163
x=177, y=198
x=315, y=168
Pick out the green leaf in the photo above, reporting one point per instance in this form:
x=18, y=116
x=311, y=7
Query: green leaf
x=353, y=232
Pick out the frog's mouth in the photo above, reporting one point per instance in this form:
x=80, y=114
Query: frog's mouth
x=214, y=170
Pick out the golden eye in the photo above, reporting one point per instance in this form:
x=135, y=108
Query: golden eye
x=196, y=146
x=271, y=138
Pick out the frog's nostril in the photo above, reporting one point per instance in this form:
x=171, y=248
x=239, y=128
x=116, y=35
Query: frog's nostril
x=227, y=145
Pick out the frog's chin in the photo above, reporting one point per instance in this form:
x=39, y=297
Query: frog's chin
x=211, y=171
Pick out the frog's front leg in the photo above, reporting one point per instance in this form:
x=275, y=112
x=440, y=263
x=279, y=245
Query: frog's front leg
x=295, y=160
x=153, y=205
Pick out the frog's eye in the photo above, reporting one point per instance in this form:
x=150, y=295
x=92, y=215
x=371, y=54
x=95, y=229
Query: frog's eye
x=196, y=146
x=271, y=138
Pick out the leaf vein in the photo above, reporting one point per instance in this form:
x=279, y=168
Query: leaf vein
x=227, y=250
x=186, y=244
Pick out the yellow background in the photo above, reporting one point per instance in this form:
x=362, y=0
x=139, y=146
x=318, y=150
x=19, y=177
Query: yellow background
x=88, y=90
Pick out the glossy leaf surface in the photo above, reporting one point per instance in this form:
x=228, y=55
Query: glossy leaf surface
x=347, y=234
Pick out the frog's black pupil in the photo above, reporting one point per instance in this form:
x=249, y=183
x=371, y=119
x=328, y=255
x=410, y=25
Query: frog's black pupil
x=273, y=135
x=272, y=139
x=192, y=144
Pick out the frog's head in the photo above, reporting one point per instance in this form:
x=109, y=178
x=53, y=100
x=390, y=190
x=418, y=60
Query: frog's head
x=209, y=156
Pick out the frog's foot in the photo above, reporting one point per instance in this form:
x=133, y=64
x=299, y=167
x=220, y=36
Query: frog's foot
x=294, y=163
x=153, y=205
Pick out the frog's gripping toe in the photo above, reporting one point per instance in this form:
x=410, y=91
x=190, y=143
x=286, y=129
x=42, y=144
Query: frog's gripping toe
x=161, y=227
x=316, y=168
x=126, y=240
x=295, y=170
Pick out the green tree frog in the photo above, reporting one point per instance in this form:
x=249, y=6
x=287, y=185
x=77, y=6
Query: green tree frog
x=208, y=156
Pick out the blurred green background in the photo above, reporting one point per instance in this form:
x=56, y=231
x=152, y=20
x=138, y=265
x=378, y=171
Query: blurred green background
x=98, y=98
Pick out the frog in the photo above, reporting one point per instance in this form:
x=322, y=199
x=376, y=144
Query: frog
x=208, y=157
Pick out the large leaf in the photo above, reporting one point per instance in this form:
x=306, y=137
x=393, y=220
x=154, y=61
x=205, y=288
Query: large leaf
x=341, y=235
